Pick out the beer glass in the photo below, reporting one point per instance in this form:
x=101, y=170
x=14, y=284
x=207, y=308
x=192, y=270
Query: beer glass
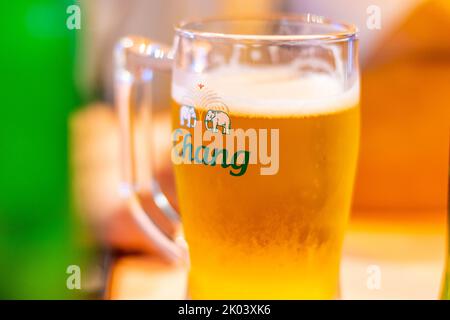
x=265, y=134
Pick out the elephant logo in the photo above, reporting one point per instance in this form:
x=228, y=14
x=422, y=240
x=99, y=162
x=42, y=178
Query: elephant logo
x=218, y=119
x=187, y=113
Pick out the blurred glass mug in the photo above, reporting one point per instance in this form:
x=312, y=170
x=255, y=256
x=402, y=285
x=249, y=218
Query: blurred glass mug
x=265, y=119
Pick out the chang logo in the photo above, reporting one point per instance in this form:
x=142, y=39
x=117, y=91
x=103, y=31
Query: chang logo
x=218, y=119
x=214, y=143
x=188, y=115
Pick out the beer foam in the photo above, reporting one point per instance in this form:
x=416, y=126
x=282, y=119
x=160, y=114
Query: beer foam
x=268, y=91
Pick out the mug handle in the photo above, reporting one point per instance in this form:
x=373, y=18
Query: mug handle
x=136, y=58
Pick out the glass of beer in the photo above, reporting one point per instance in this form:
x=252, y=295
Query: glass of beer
x=264, y=144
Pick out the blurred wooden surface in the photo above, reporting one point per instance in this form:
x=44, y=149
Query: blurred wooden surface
x=145, y=278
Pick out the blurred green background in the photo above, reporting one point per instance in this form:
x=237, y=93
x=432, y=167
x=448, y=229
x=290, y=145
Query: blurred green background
x=37, y=241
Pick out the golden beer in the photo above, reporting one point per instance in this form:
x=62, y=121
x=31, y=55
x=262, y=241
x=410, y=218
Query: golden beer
x=272, y=236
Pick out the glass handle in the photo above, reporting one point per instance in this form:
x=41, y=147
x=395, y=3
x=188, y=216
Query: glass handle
x=136, y=58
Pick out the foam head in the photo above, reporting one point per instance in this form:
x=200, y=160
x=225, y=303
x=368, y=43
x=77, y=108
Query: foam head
x=266, y=91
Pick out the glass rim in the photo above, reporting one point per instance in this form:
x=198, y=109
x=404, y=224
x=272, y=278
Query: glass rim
x=343, y=31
